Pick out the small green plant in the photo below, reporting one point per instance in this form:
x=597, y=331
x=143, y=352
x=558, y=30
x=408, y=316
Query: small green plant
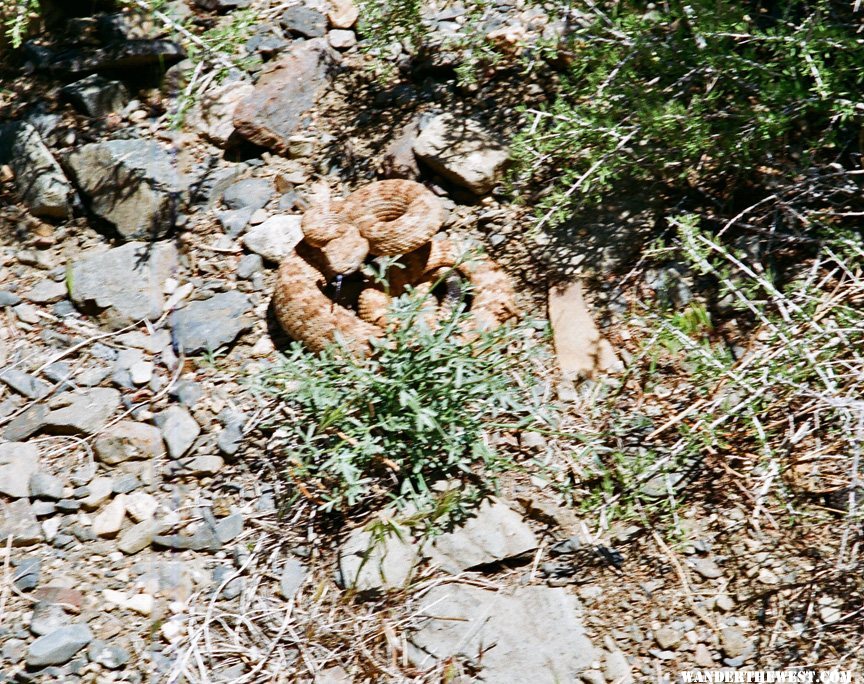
x=363, y=431
x=16, y=17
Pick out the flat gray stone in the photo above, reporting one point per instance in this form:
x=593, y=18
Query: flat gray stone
x=533, y=634
x=179, y=430
x=132, y=184
x=26, y=574
x=206, y=325
x=24, y=383
x=138, y=537
x=47, y=617
x=129, y=441
x=367, y=566
x=27, y=423
x=304, y=21
x=495, y=533
x=123, y=285
x=46, y=486
x=46, y=292
x=249, y=193
x=462, y=151
x=85, y=412
x=18, y=462
x=96, y=96
x=229, y=528
x=18, y=521
x=202, y=539
x=107, y=655
x=275, y=238
x=59, y=646
x=39, y=179
x=293, y=575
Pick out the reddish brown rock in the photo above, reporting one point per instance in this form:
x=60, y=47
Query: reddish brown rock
x=69, y=598
x=274, y=111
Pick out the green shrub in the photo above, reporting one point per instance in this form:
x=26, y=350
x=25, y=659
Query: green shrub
x=358, y=432
x=693, y=93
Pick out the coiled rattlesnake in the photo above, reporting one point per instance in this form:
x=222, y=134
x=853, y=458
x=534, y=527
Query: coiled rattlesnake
x=385, y=218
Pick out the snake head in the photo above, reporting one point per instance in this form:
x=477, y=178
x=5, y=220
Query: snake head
x=346, y=253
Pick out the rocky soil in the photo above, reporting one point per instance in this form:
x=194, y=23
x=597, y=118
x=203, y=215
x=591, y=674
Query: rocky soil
x=140, y=536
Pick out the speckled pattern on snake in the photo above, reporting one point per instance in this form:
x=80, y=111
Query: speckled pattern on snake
x=384, y=218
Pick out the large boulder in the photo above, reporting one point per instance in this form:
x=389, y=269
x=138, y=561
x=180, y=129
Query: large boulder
x=39, y=179
x=125, y=284
x=284, y=94
x=132, y=184
x=462, y=151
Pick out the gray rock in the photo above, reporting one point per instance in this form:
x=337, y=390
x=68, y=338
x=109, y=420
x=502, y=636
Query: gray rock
x=370, y=566
x=206, y=464
x=734, y=643
x=230, y=527
x=222, y=5
x=593, y=677
x=616, y=668
x=18, y=521
x=304, y=21
x=234, y=221
x=284, y=94
x=25, y=424
x=249, y=193
x=59, y=646
x=96, y=96
x=24, y=383
x=132, y=184
x=9, y=298
x=667, y=637
x=206, y=325
x=187, y=392
x=293, y=575
x=39, y=179
x=125, y=483
x=84, y=412
x=275, y=238
x=46, y=292
x=398, y=159
x=13, y=650
x=249, y=265
x=107, y=655
x=127, y=441
x=213, y=117
x=230, y=438
x=341, y=39
x=46, y=486
x=204, y=538
x=706, y=567
x=534, y=634
x=123, y=285
x=462, y=151
x=26, y=575
x=119, y=56
x=179, y=430
x=18, y=462
x=495, y=533
x=47, y=617
x=138, y=537
x=233, y=587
